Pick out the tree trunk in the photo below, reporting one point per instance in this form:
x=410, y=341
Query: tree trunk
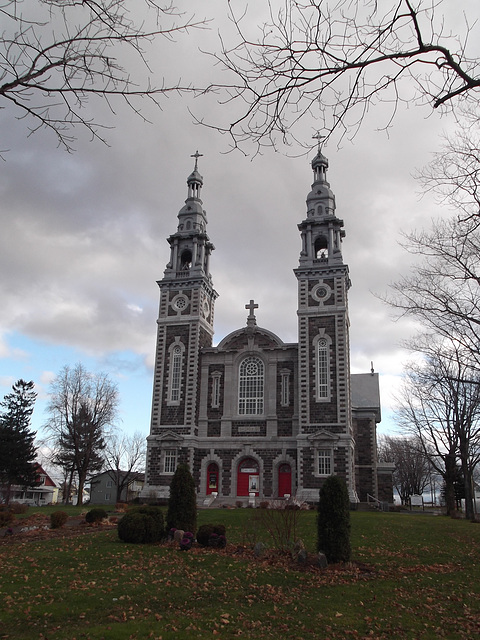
x=450, y=468
x=467, y=476
x=8, y=493
x=69, y=486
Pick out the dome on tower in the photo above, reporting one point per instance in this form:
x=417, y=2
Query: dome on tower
x=195, y=177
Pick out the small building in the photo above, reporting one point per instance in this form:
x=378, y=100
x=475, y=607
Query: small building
x=103, y=486
x=46, y=491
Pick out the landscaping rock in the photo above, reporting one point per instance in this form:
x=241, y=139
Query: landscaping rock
x=302, y=556
x=259, y=549
x=297, y=547
x=322, y=561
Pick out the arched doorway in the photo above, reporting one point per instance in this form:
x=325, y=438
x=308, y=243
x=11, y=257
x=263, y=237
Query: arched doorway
x=248, y=477
x=284, y=480
x=212, y=478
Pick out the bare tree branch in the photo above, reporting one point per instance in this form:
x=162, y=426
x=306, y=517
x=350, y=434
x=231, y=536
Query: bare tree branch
x=56, y=54
x=333, y=61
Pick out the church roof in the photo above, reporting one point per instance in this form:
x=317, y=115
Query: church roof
x=241, y=335
x=366, y=393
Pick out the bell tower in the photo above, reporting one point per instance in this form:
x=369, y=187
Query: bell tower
x=325, y=435
x=185, y=326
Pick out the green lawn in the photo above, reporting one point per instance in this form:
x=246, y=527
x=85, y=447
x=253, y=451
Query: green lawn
x=413, y=576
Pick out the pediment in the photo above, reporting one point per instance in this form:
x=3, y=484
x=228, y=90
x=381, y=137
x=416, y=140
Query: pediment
x=323, y=436
x=241, y=338
x=169, y=436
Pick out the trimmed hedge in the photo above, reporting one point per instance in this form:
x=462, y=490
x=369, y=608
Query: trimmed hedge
x=142, y=526
x=96, y=515
x=58, y=519
x=6, y=517
x=207, y=530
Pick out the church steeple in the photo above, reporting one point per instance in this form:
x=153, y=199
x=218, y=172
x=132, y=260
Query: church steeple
x=190, y=245
x=323, y=329
x=321, y=231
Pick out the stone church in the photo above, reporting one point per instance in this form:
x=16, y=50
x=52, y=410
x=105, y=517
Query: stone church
x=256, y=418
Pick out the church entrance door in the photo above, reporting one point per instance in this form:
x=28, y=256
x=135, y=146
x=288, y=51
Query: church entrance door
x=212, y=478
x=284, y=480
x=248, y=478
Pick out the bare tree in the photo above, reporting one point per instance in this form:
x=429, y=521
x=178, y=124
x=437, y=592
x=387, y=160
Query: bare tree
x=442, y=290
x=57, y=54
x=124, y=459
x=333, y=61
x=412, y=466
x=453, y=175
x=82, y=407
x=440, y=407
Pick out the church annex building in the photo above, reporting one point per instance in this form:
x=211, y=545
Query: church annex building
x=254, y=416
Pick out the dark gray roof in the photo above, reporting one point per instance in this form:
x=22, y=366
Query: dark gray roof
x=366, y=393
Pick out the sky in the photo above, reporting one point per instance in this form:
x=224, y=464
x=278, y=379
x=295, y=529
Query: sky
x=83, y=237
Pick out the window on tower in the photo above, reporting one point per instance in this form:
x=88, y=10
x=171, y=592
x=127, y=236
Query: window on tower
x=322, y=368
x=250, y=390
x=175, y=374
x=186, y=260
x=321, y=248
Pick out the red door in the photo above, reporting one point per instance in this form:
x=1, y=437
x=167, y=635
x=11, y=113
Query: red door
x=284, y=480
x=248, y=478
x=212, y=478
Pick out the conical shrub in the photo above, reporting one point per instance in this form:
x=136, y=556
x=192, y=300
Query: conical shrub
x=333, y=520
x=182, y=504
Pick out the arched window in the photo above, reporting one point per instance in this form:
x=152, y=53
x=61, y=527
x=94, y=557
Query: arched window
x=186, y=260
x=321, y=247
x=322, y=368
x=175, y=373
x=250, y=388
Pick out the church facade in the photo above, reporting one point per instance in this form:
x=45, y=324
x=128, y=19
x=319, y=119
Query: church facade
x=254, y=417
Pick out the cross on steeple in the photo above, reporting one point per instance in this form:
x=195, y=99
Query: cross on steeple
x=196, y=155
x=251, y=321
x=319, y=139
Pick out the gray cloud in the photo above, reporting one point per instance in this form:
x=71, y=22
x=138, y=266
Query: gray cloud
x=84, y=235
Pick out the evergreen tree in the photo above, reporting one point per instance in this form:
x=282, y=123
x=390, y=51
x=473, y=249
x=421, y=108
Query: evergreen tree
x=333, y=520
x=182, y=504
x=17, y=449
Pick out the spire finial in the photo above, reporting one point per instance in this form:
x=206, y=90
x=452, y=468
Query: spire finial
x=196, y=155
x=318, y=137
